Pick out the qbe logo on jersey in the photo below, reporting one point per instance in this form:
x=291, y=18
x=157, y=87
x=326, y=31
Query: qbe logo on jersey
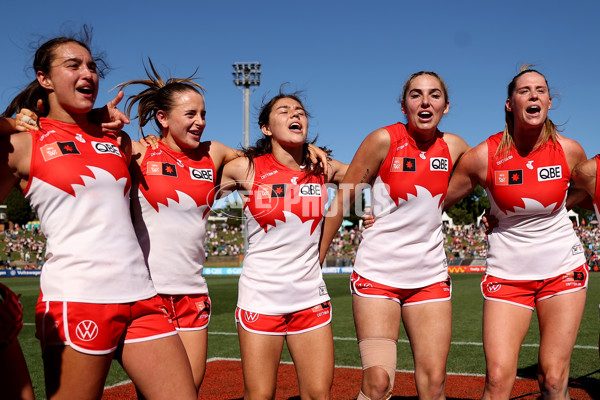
x=201, y=174
x=106, y=148
x=550, y=173
x=438, y=164
x=310, y=189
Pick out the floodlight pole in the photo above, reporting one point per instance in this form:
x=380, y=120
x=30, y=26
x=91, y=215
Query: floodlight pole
x=246, y=75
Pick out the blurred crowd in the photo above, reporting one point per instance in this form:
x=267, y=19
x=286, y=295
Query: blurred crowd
x=24, y=247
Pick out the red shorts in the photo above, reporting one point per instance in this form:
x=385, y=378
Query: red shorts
x=287, y=324
x=439, y=291
x=188, y=312
x=99, y=328
x=526, y=293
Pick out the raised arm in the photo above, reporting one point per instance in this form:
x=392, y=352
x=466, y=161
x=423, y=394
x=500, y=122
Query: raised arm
x=237, y=175
x=470, y=171
x=362, y=170
x=222, y=154
x=336, y=171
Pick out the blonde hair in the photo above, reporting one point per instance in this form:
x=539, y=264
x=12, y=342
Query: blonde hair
x=159, y=95
x=549, y=129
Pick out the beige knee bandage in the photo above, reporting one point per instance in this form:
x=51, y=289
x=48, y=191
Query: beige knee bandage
x=380, y=353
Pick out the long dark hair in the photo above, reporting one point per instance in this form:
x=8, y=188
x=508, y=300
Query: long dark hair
x=264, y=146
x=44, y=55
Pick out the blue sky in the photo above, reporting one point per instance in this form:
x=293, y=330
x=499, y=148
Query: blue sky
x=350, y=58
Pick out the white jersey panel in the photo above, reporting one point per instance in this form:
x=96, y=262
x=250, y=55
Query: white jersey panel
x=175, y=252
x=92, y=255
x=281, y=272
x=405, y=246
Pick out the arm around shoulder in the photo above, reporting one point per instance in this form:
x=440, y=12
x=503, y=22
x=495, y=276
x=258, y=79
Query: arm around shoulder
x=456, y=145
x=469, y=172
x=237, y=175
x=574, y=153
x=584, y=176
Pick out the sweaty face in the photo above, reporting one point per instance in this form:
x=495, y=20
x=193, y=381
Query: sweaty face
x=424, y=105
x=72, y=81
x=184, y=123
x=530, y=101
x=288, y=123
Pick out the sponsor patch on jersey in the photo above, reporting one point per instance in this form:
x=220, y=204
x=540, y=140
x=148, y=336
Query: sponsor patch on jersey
x=106, y=148
x=320, y=307
x=577, y=249
x=201, y=174
x=160, y=168
x=278, y=190
x=310, y=189
x=512, y=177
x=263, y=192
x=58, y=149
x=403, y=164
x=438, y=164
x=550, y=173
x=322, y=290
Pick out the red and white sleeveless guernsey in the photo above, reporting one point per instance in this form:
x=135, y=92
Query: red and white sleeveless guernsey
x=281, y=272
x=170, y=208
x=405, y=246
x=79, y=187
x=535, y=238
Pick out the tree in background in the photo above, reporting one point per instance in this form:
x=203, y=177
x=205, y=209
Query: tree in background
x=470, y=208
x=18, y=209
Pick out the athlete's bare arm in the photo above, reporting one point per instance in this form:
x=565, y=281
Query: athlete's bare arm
x=583, y=179
x=456, y=145
x=470, y=172
x=578, y=192
x=222, y=154
x=15, y=158
x=237, y=175
x=362, y=170
x=336, y=171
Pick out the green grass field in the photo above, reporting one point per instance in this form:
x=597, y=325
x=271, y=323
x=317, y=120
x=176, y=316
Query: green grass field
x=466, y=354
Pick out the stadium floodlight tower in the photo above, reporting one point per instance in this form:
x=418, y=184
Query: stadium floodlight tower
x=246, y=75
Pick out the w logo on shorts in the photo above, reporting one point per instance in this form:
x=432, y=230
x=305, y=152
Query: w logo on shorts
x=493, y=287
x=250, y=317
x=86, y=330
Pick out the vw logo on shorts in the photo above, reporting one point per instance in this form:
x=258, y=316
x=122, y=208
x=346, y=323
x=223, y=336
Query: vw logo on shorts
x=86, y=330
x=250, y=316
x=493, y=287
